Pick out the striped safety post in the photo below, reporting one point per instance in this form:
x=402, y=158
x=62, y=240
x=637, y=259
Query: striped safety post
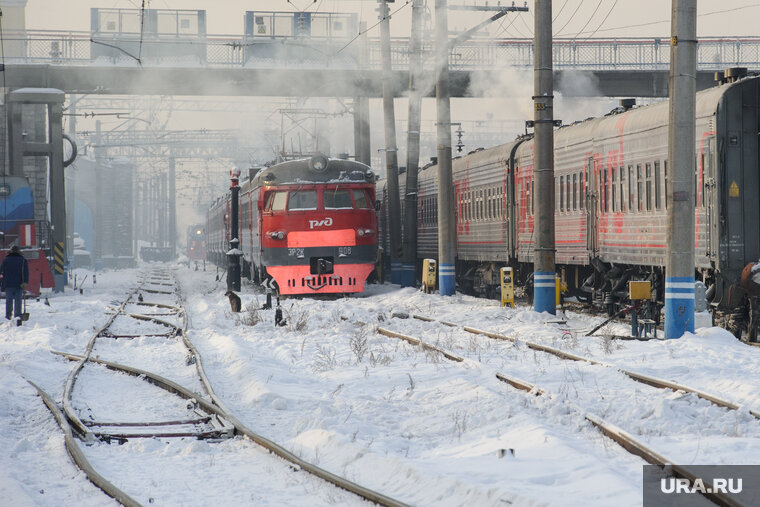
x=58, y=258
x=679, y=306
x=446, y=280
x=544, y=292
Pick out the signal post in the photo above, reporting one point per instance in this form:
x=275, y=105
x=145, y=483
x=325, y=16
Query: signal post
x=233, y=256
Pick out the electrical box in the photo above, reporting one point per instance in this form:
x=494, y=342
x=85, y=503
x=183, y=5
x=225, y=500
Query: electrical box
x=560, y=288
x=507, y=287
x=639, y=290
x=429, y=275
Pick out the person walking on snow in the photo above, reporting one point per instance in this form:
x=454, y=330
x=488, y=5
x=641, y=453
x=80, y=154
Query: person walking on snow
x=14, y=272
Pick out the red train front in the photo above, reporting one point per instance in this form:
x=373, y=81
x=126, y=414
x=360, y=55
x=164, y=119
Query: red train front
x=308, y=224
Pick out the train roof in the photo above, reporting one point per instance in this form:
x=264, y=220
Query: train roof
x=642, y=118
x=317, y=169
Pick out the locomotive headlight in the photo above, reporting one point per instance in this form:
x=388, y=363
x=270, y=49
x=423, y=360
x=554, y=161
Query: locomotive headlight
x=277, y=235
x=364, y=232
x=360, y=232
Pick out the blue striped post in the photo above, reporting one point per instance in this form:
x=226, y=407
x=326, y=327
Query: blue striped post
x=544, y=292
x=396, y=276
x=447, y=285
x=679, y=306
x=407, y=275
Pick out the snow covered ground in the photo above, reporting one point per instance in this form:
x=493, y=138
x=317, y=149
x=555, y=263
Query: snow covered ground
x=390, y=416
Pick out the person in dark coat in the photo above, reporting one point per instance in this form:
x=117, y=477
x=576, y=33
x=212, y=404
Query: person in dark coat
x=14, y=271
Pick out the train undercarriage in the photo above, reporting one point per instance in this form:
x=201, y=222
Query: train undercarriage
x=604, y=286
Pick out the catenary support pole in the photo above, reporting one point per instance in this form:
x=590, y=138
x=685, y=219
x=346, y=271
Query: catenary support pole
x=543, y=100
x=413, y=148
x=679, y=267
x=446, y=237
x=391, y=150
x=172, y=210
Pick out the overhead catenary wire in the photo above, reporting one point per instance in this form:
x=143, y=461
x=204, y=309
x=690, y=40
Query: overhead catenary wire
x=371, y=27
x=651, y=23
x=589, y=18
x=604, y=20
x=570, y=18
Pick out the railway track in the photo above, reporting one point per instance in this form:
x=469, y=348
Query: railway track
x=638, y=377
x=152, y=406
x=623, y=438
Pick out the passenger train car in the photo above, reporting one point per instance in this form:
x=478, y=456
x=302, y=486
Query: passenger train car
x=18, y=227
x=611, y=199
x=310, y=225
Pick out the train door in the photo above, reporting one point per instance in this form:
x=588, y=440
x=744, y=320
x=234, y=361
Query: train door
x=592, y=197
x=708, y=198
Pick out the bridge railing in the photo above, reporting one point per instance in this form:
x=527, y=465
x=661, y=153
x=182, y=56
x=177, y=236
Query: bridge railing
x=52, y=47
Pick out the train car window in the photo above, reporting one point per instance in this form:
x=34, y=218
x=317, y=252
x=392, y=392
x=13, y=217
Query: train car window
x=606, y=192
x=698, y=164
x=360, y=199
x=657, y=180
x=562, y=193
x=575, y=191
x=276, y=201
x=666, y=183
x=568, y=193
x=336, y=199
x=302, y=200
x=648, y=169
x=532, y=198
x=582, y=190
x=613, y=183
x=622, y=188
x=631, y=190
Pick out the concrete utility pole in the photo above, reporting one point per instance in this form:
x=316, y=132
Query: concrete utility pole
x=97, y=244
x=413, y=148
x=544, y=299
x=447, y=248
x=172, y=209
x=679, y=267
x=233, y=256
x=391, y=150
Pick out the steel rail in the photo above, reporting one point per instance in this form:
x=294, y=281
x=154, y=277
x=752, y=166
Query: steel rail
x=622, y=438
x=341, y=482
x=78, y=456
x=638, y=377
x=271, y=446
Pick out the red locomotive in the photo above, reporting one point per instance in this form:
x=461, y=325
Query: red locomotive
x=308, y=224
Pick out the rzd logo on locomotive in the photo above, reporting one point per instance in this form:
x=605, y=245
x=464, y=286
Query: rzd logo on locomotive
x=327, y=222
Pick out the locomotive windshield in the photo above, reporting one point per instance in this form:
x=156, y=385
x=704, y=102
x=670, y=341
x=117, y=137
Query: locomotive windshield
x=337, y=199
x=276, y=201
x=360, y=199
x=303, y=200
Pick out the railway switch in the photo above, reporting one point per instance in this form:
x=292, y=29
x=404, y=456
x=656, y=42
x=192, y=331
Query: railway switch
x=507, y=287
x=429, y=275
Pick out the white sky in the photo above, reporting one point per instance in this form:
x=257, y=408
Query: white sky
x=602, y=18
